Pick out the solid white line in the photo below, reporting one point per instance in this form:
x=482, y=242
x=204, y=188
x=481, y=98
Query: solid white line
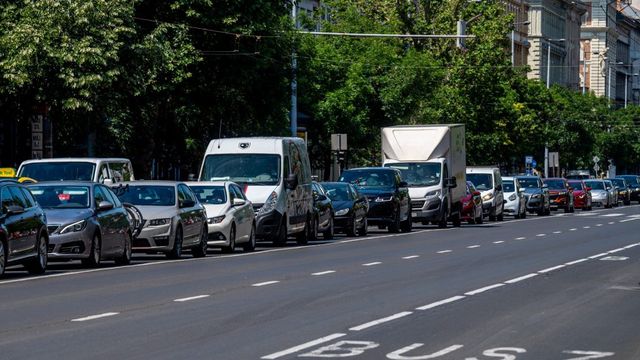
x=323, y=273
x=411, y=257
x=441, y=302
x=576, y=261
x=521, y=278
x=557, y=232
x=372, y=263
x=541, y=235
x=380, y=321
x=266, y=283
x=473, y=246
x=498, y=242
x=551, y=269
x=191, y=298
x=306, y=345
x=631, y=246
x=486, y=288
x=624, y=221
x=444, y=251
x=597, y=256
x=93, y=317
x=617, y=250
x=612, y=215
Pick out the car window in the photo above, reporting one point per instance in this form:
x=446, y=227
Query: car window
x=28, y=197
x=18, y=196
x=98, y=195
x=120, y=171
x=6, y=198
x=181, y=194
x=481, y=181
x=239, y=192
x=236, y=193
x=184, y=193
x=103, y=173
x=116, y=201
x=107, y=195
x=207, y=194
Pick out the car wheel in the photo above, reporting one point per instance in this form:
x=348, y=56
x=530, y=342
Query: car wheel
x=330, y=232
x=501, y=216
x=38, y=265
x=303, y=237
x=200, y=250
x=232, y=241
x=250, y=246
x=314, y=230
x=394, y=227
x=407, y=225
x=492, y=214
x=125, y=258
x=95, y=254
x=364, y=230
x=353, y=228
x=479, y=220
x=456, y=220
x=3, y=258
x=281, y=237
x=176, y=252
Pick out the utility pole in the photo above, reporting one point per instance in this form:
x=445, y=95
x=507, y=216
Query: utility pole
x=546, y=144
x=462, y=29
x=294, y=79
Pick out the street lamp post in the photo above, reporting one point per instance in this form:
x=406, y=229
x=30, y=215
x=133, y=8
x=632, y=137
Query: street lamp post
x=546, y=145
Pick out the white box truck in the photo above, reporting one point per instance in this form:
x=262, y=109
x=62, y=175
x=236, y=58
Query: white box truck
x=432, y=159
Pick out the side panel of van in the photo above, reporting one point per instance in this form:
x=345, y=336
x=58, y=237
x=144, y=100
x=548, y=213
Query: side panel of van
x=299, y=200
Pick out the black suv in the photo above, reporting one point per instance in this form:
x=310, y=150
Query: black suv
x=23, y=229
x=634, y=186
x=389, y=202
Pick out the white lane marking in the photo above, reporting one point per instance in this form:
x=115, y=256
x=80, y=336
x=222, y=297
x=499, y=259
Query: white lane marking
x=444, y=251
x=441, y=302
x=611, y=222
x=372, y=263
x=617, y=250
x=612, y=215
x=521, y=278
x=380, y=321
x=300, y=347
x=498, y=242
x=557, y=232
x=598, y=225
x=586, y=227
x=521, y=238
x=576, y=261
x=597, y=256
x=266, y=283
x=473, y=246
x=481, y=290
x=541, y=235
x=614, y=258
x=411, y=257
x=631, y=246
x=573, y=229
x=93, y=317
x=624, y=221
x=191, y=298
x=323, y=273
x=544, y=271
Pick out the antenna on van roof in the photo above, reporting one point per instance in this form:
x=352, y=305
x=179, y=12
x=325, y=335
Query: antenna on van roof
x=219, y=133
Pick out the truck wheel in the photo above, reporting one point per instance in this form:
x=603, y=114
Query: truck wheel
x=442, y=224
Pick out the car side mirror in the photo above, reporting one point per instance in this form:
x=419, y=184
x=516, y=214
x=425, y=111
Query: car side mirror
x=104, y=206
x=187, y=203
x=108, y=182
x=451, y=182
x=14, y=210
x=238, y=202
x=291, y=183
x=403, y=184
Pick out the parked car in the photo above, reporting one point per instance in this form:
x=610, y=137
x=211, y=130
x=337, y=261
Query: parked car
x=600, y=195
x=350, y=208
x=578, y=174
x=23, y=229
x=634, y=184
x=174, y=218
x=515, y=202
x=613, y=192
x=536, y=194
x=489, y=182
x=581, y=194
x=86, y=221
x=103, y=170
x=560, y=194
x=624, y=192
x=389, y=201
x=472, y=205
x=230, y=217
x=323, y=214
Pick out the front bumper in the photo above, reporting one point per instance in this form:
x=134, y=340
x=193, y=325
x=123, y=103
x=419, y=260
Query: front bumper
x=511, y=207
x=381, y=213
x=535, y=204
x=488, y=207
x=74, y=245
x=268, y=225
x=154, y=238
x=218, y=234
x=557, y=201
x=580, y=201
x=429, y=209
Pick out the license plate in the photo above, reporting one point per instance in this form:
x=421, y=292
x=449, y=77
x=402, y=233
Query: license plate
x=415, y=214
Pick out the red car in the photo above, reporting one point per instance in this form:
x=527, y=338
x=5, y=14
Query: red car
x=560, y=194
x=472, y=205
x=581, y=194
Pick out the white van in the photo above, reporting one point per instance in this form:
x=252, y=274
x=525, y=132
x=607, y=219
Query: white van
x=275, y=174
x=488, y=181
x=103, y=170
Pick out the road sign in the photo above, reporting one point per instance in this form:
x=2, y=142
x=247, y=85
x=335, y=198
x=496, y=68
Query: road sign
x=596, y=168
x=339, y=142
x=554, y=159
x=534, y=163
x=596, y=159
x=528, y=160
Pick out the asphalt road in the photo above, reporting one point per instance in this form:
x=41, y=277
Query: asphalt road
x=559, y=287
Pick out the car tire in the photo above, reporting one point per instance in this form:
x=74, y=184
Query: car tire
x=250, y=246
x=364, y=230
x=353, y=228
x=394, y=227
x=329, y=233
x=38, y=265
x=314, y=230
x=479, y=220
x=228, y=249
x=303, y=237
x=492, y=214
x=95, y=253
x=442, y=223
x=125, y=258
x=200, y=250
x=407, y=225
x=176, y=252
x=3, y=257
x=281, y=237
x=455, y=219
x=501, y=216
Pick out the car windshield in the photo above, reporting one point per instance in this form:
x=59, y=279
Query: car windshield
x=555, y=184
x=631, y=180
x=254, y=169
x=369, y=178
x=576, y=185
x=337, y=192
x=619, y=183
x=62, y=196
x=57, y=171
x=148, y=195
x=481, y=181
x=529, y=183
x=508, y=186
x=212, y=195
x=595, y=185
x=418, y=174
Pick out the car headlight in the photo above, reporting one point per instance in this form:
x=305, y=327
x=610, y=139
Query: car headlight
x=562, y=193
x=512, y=197
x=216, y=219
x=159, y=222
x=270, y=204
x=74, y=227
x=432, y=193
x=384, y=198
x=487, y=197
x=342, y=212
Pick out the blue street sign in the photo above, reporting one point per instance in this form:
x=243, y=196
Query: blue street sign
x=534, y=163
x=528, y=159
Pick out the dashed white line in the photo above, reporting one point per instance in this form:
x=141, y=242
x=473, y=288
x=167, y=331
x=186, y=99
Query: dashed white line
x=612, y=215
x=624, y=221
x=372, y=263
x=557, y=232
x=573, y=229
x=266, y=283
x=541, y=235
x=300, y=347
x=586, y=227
x=93, y=317
x=473, y=246
x=521, y=278
x=521, y=238
x=380, y=321
x=611, y=222
x=486, y=288
x=597, y=256
x=444, y=251
x=191, y=298
x=410, y=257
x=441, y=302
x=323, y=273
x=498, y=242
x=598, y=225
x=544, y=271
x=576, y=261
